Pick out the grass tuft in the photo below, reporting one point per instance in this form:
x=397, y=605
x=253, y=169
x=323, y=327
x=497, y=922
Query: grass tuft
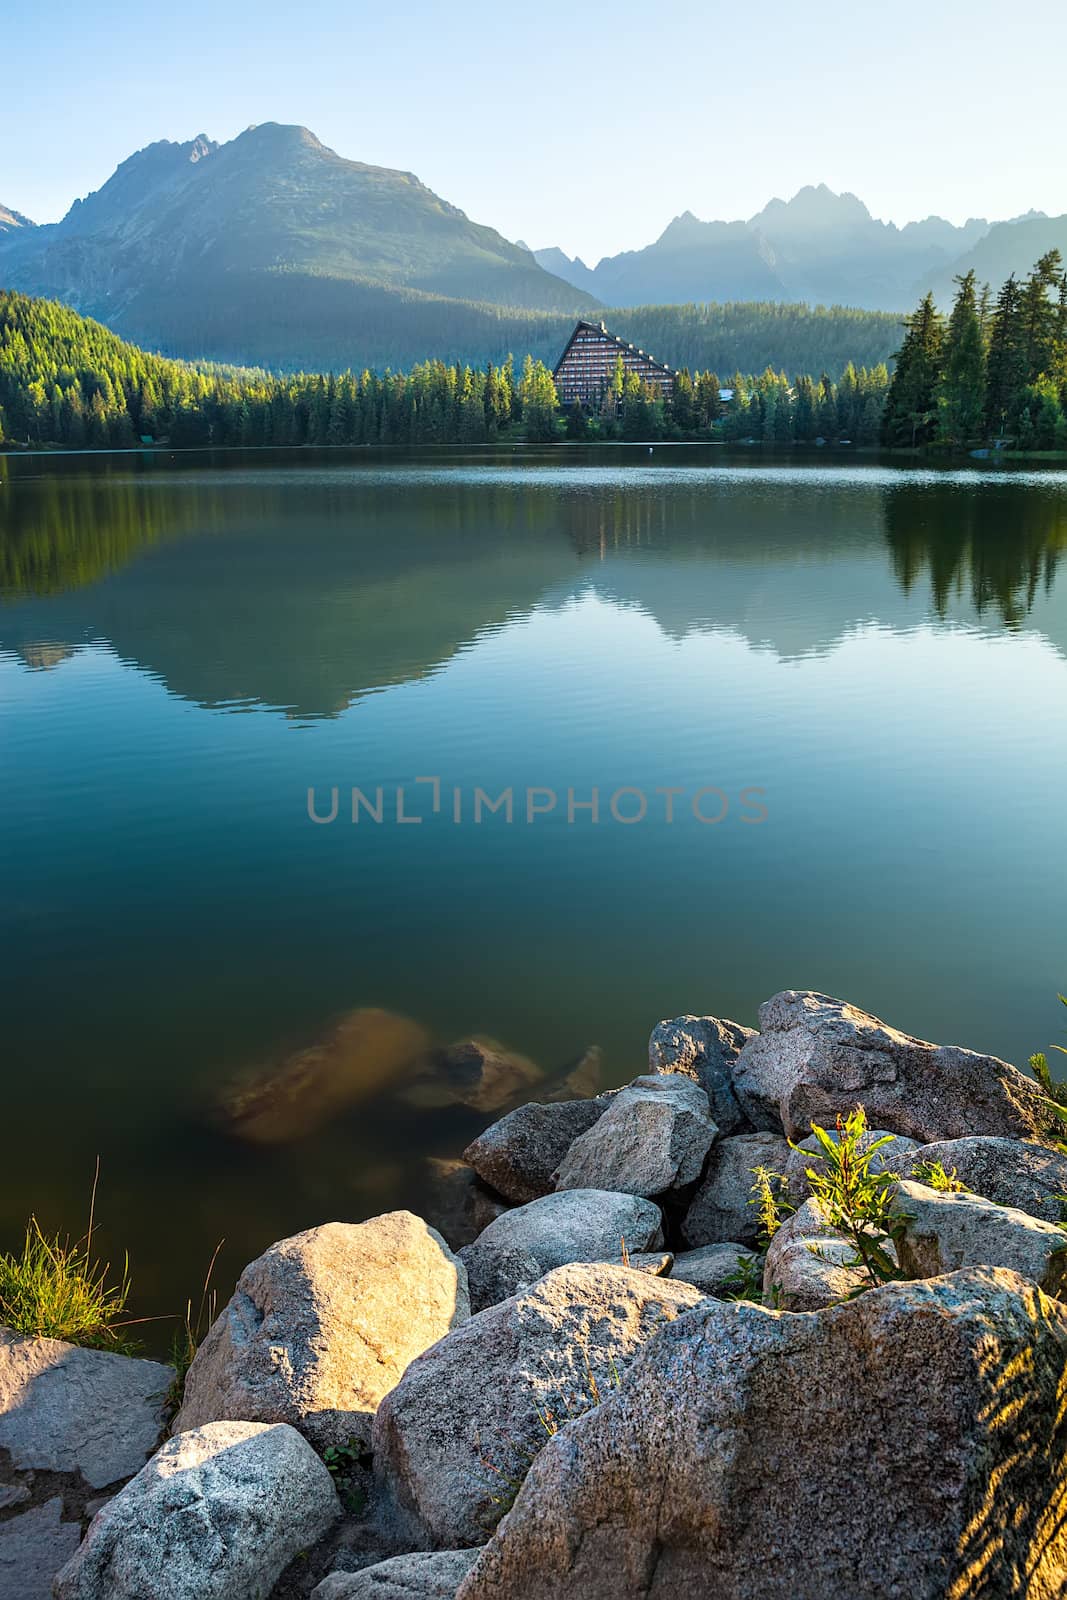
x=55, y=1289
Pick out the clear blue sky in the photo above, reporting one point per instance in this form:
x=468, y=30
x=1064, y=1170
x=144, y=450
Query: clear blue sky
x=693, y=105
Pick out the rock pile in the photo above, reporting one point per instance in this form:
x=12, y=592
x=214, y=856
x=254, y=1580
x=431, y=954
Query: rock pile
x=629, y=1381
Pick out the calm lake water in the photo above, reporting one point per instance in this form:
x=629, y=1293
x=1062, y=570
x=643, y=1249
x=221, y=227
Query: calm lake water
x=188, y=644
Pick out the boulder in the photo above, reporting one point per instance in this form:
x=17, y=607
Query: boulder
x=518, y=1155
x=809, y=1264
x=322, y=1325
x=653, y=1137
x=656, y=1262
x=574, y=1225
x=1013, y=1172
x=815, y=1057
x=713, y=1269
x=72, y=1422
x=218, y=1513
x=457, y=1203
x=359, y=1056
x=808, y=1153
x=33, y=1547
x=948, y=1231
x=430, y=1575
x=908, y=1443
x=721, y=1211
x=704, y=1049
x=89, y=1413
x=481, y=1074
x=459, y=1430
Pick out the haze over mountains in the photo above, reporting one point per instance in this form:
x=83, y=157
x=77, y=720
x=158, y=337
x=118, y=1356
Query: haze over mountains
x=272, y=249
x=818, y=247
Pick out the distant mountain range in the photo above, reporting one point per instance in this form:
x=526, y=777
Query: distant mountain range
x=273, y=250
x=820, y=247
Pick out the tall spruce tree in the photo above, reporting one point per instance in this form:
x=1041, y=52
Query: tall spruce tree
x=1006, y=361
x=911, y=405
x=961, y=391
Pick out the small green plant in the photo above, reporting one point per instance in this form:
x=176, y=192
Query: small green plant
x=55, y=1288
x=934, y=1175
x=342, y=1462
x=858, y=1202
x=1055, y=1093
x=769, y=1199
x=746, y=1282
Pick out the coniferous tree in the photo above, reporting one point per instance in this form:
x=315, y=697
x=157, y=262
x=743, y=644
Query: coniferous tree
x=911, y=406
x=1006, y=360
x=961, y=390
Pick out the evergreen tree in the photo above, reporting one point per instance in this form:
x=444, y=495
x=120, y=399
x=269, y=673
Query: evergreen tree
x=911, y=406
x=1006, y=360
x=961, y=390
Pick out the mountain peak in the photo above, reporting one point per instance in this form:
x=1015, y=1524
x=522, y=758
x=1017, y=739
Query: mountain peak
x=815, y=206
x=280, y=136
x=10, y=219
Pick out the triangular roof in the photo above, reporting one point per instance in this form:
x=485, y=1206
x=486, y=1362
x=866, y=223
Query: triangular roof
x=612, y=338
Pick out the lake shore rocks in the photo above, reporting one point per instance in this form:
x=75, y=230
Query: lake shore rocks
x=949, y=1231
x=518, y=1155
x=467, y=1418
x=73, y=1423
x=573, y=1225
x=713, y=1419
x=217, y=1513
x=653, y=1137
x=323, y=1325
x=704, y=1049
x=816, y=1058
x=718, y=1472
x=722, y=1210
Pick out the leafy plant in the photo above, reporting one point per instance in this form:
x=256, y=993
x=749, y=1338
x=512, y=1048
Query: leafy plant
x=934, y=1175
x=55, y=1288
x=342, y=1462
x=857, y=1201
x=769, y=1199
x=746, y=1282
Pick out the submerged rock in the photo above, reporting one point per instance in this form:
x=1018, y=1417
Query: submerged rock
x=580, y=1080
x=322, y=1326
x=458, y=1204
x=704, y=1049
x=816, y=1057
x=908, y=1443
x=518, y=1155
x=481, y=1074
x=463, y=1424
x=722, y=1210
x=360, y=1056
x=217, y=1514
x=575, y=1225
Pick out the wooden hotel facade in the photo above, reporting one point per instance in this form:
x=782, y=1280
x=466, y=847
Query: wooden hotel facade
x=587, y=366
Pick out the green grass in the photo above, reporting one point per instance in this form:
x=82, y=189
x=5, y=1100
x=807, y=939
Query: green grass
x=55, y=1289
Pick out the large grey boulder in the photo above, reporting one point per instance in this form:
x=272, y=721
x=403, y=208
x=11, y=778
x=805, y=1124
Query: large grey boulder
x=816, y=1056
x=218, y=1513
x=1013, y=1172
x=808, y=1155
x=948, y=1231
x=72, y=1422
x=518, y=1155
x=704, y=1049
x=809, y=1264
x=574, y=1225
x=460, y=1429
x=429, y=1575
x=906, y=1444
x=322, y=1325
x=715, y=1268
x=653, y=1137
x=84, y=1412
x=721, y=1211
